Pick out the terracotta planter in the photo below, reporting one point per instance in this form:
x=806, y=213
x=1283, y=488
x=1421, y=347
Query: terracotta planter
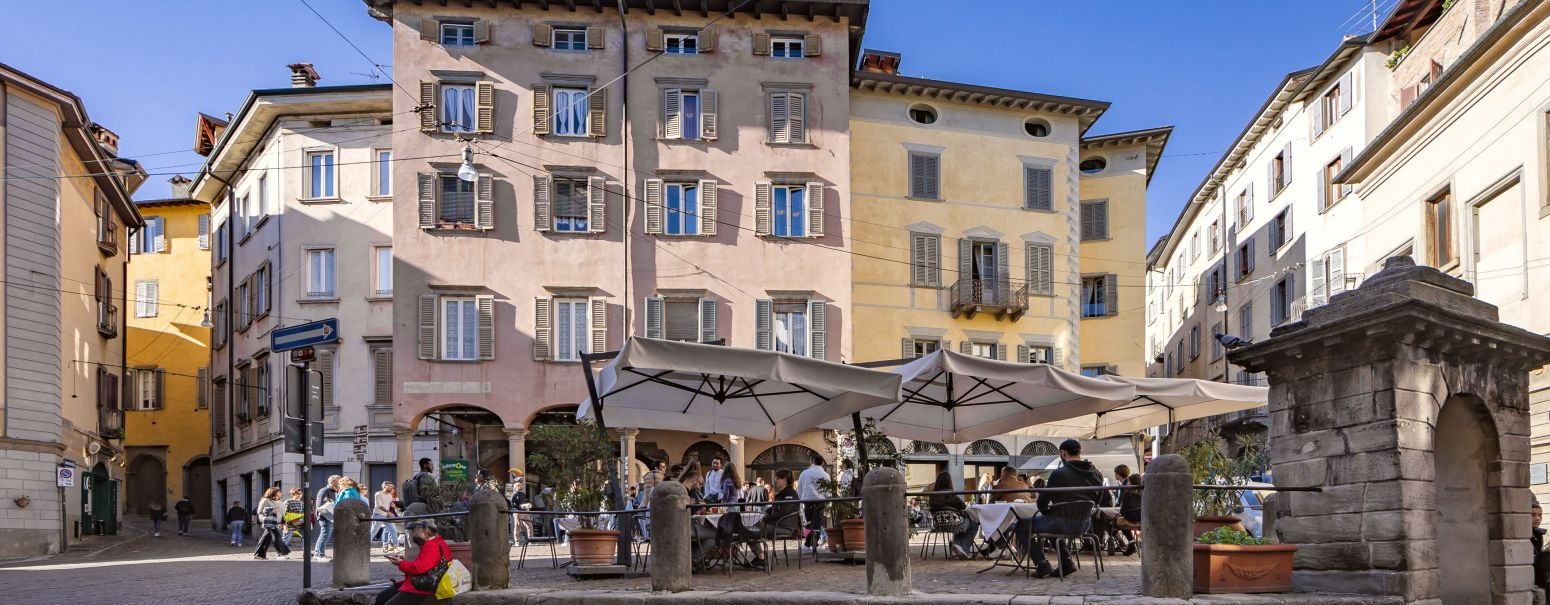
x=836, y=538
x=463, y=552
x=1207, y=524
x=592, y=547
x=1224, y=568
x=855, y=534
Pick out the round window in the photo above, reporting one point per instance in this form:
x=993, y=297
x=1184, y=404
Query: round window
x=1093, y=165
x=1036, y=128
x=923, y=114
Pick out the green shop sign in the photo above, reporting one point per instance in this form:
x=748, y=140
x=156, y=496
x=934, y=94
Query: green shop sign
x=454, y=470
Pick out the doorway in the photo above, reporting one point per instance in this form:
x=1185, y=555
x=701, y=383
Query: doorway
x=1463, y=506
x=147, y=483
x=196, y=487
x=985, y=270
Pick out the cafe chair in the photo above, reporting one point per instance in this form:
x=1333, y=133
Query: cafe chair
x=1076, y=514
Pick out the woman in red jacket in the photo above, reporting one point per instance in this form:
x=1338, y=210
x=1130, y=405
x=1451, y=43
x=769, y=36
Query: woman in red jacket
x=433, y=551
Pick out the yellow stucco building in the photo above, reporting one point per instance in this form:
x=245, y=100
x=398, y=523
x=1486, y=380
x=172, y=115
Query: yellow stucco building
x=167, y=416
x=987, y=222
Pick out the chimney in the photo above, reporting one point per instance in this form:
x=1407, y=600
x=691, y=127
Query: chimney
x=106, y=138
x=880, y=62
x=180, y=185
x=303, y=76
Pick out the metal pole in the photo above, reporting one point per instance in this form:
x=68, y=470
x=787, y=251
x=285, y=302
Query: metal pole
x=306, y=477
x=626, y=527
x=855, y=420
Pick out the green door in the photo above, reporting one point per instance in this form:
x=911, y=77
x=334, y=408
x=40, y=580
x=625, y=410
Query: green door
x=99, y=502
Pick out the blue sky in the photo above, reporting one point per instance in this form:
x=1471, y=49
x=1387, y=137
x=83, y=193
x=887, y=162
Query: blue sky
x=1203, y=66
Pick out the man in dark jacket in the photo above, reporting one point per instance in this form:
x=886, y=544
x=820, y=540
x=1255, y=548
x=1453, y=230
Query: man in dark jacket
x=1073, y=472
x=185, y=510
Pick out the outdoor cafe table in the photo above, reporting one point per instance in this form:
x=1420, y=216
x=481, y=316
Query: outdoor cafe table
x=997, y=520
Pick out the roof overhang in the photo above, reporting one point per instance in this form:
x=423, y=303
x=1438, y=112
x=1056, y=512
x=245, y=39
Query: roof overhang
x=1084, y=110
x=1407, y=16
x=169, y=202
x=1155, y=140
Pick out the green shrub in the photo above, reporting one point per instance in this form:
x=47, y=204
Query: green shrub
x=1228, y=535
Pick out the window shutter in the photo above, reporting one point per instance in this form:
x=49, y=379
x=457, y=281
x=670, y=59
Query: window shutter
x=1039, y=269
x=202, y=388
x=134, y=241
x=965, y=260
x=1271, y=186
x=597, y=205
x=763, y=208
x=761, y=43
x=707, y=39
x=161, y=234
x=812, y=45
x=1286, y=165
x=709, y=207
x=542, y=185
x=428, y=327
x=1336, y=271
x=780, y=127
x=815, y=209
x=1111, y=294
x=486, y=326
x=707, y=319
x=672, y=117
x=542, y=332
x=654, y=207
x=966, y=347
x=326, y=368
x=543, y=34
x=656, y=40
x=1318, y=118
x=1345, y=160
x=1054, y=356
x=161, y=388
x=430, y=29
x=1038, y=187
x=817, y=333
x=541, y=111
x=427, y=199
x=654, y=310
x=1346, y=94
x=140, y=288
x=598, y=315
x=797, y=118
x=382, y=379
x=484, y=106
x=1248, y=261
x=1316, y=282
x=597, y=112
x=1248, y=204
x=481, y=31
x=427, y=107
x=1001, y=352
x=1322, y=187
x=484, y=202
x=595, y=37
x=204, y=232
x=152, y=297
x=906, y=348
x=1003, y=272
x=709, y=107
x=763, y=318
x=925, y=264
x=1024, y=354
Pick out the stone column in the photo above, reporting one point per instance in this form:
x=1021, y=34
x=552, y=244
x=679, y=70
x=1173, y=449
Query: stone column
x=352, y=544
x=489, y=535
x=516, y=448
x=955, y=468
x=627, y=454
x=1167, y=518
x=1406, y=400
x=403, y=437
x=1267, y=524
x=670, y=536
x=736, y=452
x=887, y=533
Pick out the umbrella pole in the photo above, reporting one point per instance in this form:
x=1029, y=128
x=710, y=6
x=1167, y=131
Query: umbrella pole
x=860, y=443
x=625, y=526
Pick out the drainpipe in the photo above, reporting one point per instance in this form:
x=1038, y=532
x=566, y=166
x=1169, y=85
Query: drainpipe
x=624, y=140
x=231, y=293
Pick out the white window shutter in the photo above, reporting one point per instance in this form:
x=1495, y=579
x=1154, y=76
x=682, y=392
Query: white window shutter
x=1345, y=161
x=966, y=347
x=597, y=205
x=204, y=232
x=598, y=315
x=1001, y=352
x=1318, y=118
x=382, y=379
x=597, y=112
x=484, y=202
x=780, y=126
x=543, y=332
x=1322, y=187
x=481, y=31
x=708, y=207
x=1024, y=354
x=672, y=115
x=542, y=185
x=707, y=320
x=656, y=39
x=817, y=333
x=710, y=104
x=797, y=118
x=1346, y=94
x=906, y=348
x=427, y=182
x=815, y=214
x=654, y=208
x=152, y=294
x=654, y=310
x=763, y=207
x=486, y=335
x=1286, y=165
x=427, y=108
x=812, y=45
x=1316, y=282
x=140, y=288
x=543, y=34
x=161, y=234
x=484, y=107
x=134, y=241
x=429, y=337
x=541, y=106
x=763, y=324
x=1054, y=356
x=707, y=39
x=1336, y=271
x=1248, y=203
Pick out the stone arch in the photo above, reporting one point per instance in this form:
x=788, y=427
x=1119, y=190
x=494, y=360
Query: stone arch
x=1465, y=500
x=196, y=486
x=145, y=482
x=786, y=455
x=421, y=415
x=553, y=414
x=986, y=447
x=927, y=448
x=1040, y=448
x=704, y=451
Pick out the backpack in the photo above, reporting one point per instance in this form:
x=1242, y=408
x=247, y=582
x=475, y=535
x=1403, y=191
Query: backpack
x=410, y=492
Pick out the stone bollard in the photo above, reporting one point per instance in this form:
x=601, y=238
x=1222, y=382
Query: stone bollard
x=1267, y=522
x=1167, y=517
x=887, y=533
x=489, y=536
x=352, y=543
x=670, y=537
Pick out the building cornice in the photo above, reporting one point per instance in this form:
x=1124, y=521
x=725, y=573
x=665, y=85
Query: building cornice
x=1084, y=110
x=1155, y=140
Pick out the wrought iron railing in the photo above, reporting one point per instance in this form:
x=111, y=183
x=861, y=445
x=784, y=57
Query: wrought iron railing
x=107, y=319
x=971, y=296
x=107, y=236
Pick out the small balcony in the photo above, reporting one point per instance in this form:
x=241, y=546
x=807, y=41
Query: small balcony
x=974, y=296
x=107, y=319
x=107, y=236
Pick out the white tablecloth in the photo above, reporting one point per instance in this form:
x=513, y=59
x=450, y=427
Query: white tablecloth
x=750, y=519
x=998, y=517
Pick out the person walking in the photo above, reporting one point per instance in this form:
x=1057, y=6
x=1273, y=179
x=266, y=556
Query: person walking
x=269, y=518
x=295, y=515
x=731, y=486
x=386, y=503
x=323, y=505
x=809, y=487
x=348, y=489
x=157, y=514
x=185, y=511
x=236, y=519
x=433, y=552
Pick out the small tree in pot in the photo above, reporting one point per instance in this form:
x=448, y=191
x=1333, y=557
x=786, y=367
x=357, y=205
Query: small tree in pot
x=574, y=460
x=1210, y=464
x=846, y=516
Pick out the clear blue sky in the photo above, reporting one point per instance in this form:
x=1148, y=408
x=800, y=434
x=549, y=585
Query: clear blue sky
x=144, y=69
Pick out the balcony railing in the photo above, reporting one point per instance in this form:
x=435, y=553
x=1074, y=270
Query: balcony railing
x=107, y=236
x=107, y=319
x=973, y=296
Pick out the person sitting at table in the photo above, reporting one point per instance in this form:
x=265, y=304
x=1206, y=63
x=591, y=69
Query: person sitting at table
x=948, y=507
x=1130, y=510
x=731, y=485
x=782, y=521
x=1073, y=472
x=1009, y=480
x=704, y=535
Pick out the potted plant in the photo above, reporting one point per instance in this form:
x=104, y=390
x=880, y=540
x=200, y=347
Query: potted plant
x=1232, y=561
x=850, y=526
x=574, y=460
x=1209, y=463
x=847, y=531
x=447, y=496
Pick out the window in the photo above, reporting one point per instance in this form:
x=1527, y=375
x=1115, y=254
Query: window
x=925, y=176
x=264, y=386
x=1245, y=258
x=982, y=349
x=1246, y=322
x=1330, y=192
x=1216, y=282
x=1095, y=220
x=382, y=275
x=262, y=287
x=244, y=394
x=572, y=329
x=1280, y=170
x=320, y=174
x=1245, y=205
x=148, y=388
x=689, y=115
x=681, y=44
x=456, y=206
x=1038, y=188
x=320, y=273
x=690, y=118
x=787, y=47
x=243, y=310
x=219, y=332
x=1194, y=341
x=925, y=260
x=1330, y=106
x=145, y=298
x=204, y=231
x=1280, y=230
x=382, y=375
x=1326, y=276
x=459, y=328
x=1098, y=294
x=795, y=326
x=1095, y=371
x=1439, y=230
x=1216, y=237
x=152, y=237
x=570, y=205
x=1168, y=364
x=1281, y=299
x=1093, y=165
x=202, y=388
x=791, y=330
x=570, y=111
x=790, y=210
x=922, y=114
x=222, y=243
x=1036, y=128
x=682, y=206
x=1041, y=281
x=788, y=117
x=922, y=348
x=682, y=319
x=570, y=38
x=383, y=172
x=457, y=34
x=1179, y=369
x=1194, y=246
x=1040, y=354
x=267, y=205
x=1216, y=345
x=458, y=107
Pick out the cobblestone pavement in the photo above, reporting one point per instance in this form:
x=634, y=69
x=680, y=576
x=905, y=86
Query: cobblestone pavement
x=138, y=569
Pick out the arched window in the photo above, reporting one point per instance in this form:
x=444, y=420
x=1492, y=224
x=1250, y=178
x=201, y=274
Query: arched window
x=785, y=455
x=986, y=447
x=1040, y=448
x=926, y=447
x=704, y=451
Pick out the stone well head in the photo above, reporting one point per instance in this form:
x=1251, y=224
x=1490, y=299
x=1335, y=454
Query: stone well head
x=1406, y=400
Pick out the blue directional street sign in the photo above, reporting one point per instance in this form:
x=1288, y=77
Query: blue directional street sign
x=304, y=335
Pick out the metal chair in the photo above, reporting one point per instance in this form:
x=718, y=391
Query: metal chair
x=1077, y=514
x=783, y=530
x=945, y=523
x=552, y=539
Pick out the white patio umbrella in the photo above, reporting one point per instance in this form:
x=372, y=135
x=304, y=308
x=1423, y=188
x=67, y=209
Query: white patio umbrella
x=702, y=388
x=1160, y=401
x=951, y=397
